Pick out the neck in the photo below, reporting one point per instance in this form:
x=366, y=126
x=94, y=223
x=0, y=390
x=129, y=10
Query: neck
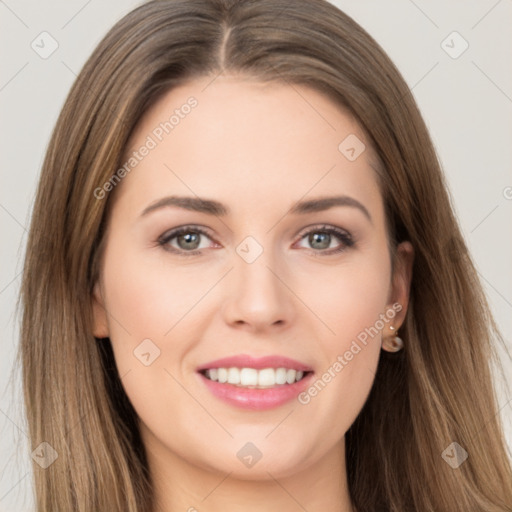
x=180, y=485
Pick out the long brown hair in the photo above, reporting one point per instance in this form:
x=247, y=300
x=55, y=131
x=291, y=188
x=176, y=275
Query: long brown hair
x=436, y=391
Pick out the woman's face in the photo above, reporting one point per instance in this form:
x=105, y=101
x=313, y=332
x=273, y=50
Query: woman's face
x=282, y=253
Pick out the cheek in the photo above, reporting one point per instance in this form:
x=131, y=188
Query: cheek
x=147, y=296
x=347, y=297
x=147, y=304
x=158, y=308
x=351, y=301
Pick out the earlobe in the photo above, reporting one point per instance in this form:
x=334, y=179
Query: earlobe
x=393, y=342
x=399, y=296
x=100, y=323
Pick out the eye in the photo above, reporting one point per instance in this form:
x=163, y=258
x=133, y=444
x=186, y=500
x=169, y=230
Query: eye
x=321, y=239
x=189, y=240
x=186, y=239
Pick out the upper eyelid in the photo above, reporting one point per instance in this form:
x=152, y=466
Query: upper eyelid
x=171, y=233
x=322, y=227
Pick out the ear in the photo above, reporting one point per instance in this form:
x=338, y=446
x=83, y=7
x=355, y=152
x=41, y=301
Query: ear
x=100, y=323
x=400, y=290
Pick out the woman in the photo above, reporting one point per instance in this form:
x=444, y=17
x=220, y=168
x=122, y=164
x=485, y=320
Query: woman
x=239, y=209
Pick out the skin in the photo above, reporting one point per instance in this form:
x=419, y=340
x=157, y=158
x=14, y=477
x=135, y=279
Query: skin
x=258, y=149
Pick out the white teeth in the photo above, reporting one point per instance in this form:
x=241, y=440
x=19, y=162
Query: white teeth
x=280, y=375
x=233, y=376
x=222, y=374
x=250, y=377
x=290, y=376
x=267, y=377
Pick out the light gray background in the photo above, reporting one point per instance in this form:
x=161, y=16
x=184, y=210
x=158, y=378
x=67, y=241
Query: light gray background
x=466, y=102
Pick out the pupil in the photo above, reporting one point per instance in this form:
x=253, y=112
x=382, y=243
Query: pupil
x=322, y=239
x=191, y=240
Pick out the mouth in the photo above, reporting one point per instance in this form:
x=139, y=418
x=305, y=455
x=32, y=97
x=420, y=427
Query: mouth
x=253, y=378
x=253, y=383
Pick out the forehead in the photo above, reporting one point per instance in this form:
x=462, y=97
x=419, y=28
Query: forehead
x=240, y=140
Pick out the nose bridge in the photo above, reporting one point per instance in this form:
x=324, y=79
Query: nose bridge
x=253, y=267
x=258, y=297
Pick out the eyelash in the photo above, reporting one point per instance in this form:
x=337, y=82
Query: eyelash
x=342, y=235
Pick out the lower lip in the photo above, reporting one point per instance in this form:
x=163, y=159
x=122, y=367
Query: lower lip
x=256, y=399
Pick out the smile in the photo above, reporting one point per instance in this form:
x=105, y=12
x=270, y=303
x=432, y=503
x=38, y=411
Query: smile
x=253, y=378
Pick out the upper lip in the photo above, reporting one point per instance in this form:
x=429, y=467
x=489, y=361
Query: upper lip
x=258, y=363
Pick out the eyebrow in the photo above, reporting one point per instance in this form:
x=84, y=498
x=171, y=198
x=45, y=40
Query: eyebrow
x=212, y=207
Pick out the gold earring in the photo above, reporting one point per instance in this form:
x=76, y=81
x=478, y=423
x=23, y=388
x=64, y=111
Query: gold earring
x=396, y=343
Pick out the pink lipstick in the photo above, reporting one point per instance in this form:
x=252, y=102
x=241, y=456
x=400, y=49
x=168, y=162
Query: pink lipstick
x=255, y=383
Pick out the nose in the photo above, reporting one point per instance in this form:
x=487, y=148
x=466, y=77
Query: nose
x=258, y=298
